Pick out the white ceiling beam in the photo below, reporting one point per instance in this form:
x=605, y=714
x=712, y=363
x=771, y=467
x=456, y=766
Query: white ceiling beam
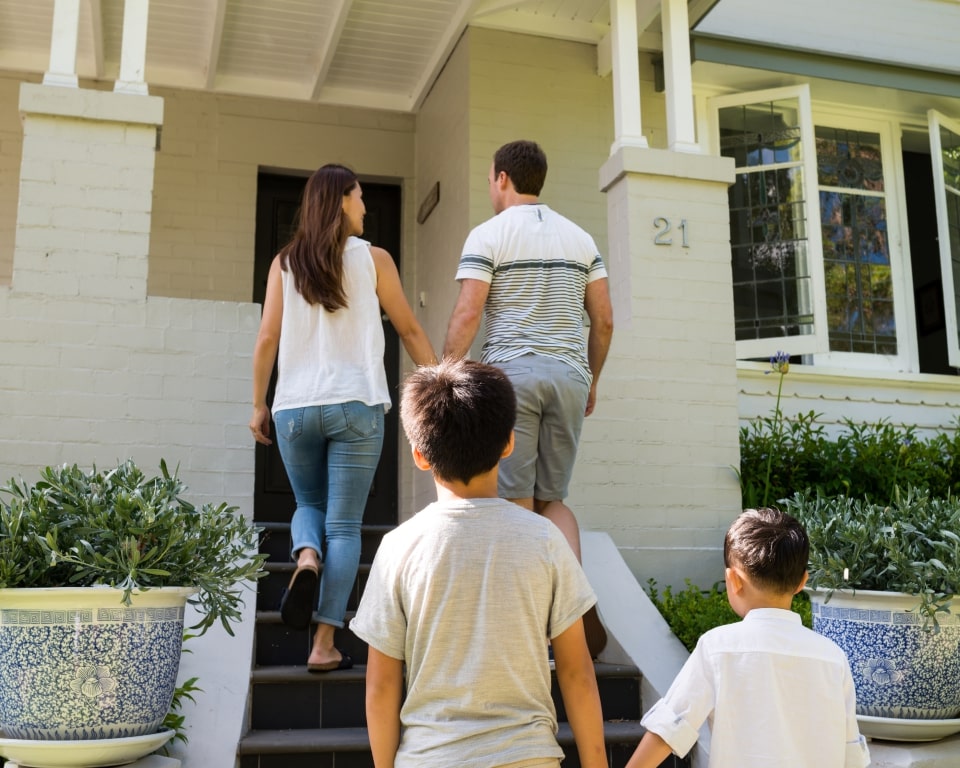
x=443, y=48
x=328, y=48
x=354, y=97
x=498, y=6
x=95, y=30
x=545, y=26
x=215, y=43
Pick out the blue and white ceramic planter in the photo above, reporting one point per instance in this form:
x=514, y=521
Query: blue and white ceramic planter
x=900, y=669
x=78, y=664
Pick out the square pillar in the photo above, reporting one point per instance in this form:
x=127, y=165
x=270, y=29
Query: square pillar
x=86, y=192
x=671, y=376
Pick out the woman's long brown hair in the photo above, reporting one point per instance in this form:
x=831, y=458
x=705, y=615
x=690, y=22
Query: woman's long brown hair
x=315, y=254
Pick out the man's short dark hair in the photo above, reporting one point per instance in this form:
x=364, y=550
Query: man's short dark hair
x=525, y=163
x=771, y=546
x=459, y=414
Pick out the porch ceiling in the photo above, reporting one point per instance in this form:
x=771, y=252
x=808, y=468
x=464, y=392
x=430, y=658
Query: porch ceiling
x=367, y=53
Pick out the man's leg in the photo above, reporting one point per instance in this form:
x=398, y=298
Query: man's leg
x=561, y=516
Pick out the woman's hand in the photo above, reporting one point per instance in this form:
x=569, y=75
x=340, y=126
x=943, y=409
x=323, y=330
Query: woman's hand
x=260, y=425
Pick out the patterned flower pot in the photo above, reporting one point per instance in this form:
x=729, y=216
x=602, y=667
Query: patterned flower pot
x=900, y=669
x=78, y=664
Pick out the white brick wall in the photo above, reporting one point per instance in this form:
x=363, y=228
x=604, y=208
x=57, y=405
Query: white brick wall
x=655, y=459
x=95, y=372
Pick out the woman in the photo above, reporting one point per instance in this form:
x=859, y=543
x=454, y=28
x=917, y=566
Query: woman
x=322, y=315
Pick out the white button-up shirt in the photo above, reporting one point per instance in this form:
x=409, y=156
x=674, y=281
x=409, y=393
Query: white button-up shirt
x=775, y=694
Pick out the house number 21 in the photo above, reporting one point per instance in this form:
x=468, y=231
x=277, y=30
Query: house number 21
x=664, y=226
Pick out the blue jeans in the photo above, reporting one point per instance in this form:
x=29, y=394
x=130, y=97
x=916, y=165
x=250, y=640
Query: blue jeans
x=330, y=453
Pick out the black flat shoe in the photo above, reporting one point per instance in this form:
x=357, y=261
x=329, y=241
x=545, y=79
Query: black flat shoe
x=296, y=604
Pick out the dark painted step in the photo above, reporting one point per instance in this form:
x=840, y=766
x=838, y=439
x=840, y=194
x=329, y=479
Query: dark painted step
x=278, y=645
x=301, y=719
x=286, y=697
x=275, y=541
x=270, y=587
x=339, y=747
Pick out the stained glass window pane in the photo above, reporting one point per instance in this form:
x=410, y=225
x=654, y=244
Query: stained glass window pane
x=859, y=284
x=761, y=134
x=849, y=159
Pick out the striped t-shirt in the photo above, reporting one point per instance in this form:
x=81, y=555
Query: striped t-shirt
x=538, y=264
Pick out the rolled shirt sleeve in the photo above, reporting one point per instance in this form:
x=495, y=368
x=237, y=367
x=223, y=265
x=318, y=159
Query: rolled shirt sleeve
x=671, y=727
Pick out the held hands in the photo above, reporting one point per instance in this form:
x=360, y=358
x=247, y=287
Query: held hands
x=260, y=424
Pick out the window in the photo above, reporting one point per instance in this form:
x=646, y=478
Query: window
x=777, y=272
x=811, y=226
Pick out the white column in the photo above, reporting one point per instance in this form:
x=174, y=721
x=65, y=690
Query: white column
x=63, y=44
x=627, y=129
x=678, y=81
x=133, y=52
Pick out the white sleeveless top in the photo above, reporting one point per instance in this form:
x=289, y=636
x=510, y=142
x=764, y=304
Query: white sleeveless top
x=333, y=357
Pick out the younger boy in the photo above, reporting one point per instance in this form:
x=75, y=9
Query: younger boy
x=466, y=594
x=774, y=692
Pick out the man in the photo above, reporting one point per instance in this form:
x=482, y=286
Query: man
x=532, y=272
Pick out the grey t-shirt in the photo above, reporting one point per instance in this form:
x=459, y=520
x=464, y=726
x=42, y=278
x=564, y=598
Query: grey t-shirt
x=466, y=594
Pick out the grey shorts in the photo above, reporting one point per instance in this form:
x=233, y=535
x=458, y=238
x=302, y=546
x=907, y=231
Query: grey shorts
x=551, y=399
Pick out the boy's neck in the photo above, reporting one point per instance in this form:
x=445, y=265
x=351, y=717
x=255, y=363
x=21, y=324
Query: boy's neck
x=482, y=486
x=769, y=600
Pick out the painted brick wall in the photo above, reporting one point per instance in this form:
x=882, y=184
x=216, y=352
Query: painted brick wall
x=95, y=372
x=654, y=468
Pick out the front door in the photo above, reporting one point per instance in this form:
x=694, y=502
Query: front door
x=278, y=198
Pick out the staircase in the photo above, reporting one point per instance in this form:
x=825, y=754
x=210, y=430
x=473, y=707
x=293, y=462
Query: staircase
x=304, y=720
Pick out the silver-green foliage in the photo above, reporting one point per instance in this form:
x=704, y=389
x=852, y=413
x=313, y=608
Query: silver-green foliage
x=122, y=529
x=910, y=545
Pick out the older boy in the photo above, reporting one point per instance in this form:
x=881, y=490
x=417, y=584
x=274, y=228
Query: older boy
x=775, y=693
x=466, y=594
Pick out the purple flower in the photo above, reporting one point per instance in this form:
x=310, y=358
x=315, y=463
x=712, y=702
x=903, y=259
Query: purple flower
x=779, y=363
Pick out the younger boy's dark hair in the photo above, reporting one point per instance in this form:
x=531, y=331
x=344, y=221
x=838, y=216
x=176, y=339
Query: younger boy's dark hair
x=459, y=414
x=525, y=163
x=771, y=546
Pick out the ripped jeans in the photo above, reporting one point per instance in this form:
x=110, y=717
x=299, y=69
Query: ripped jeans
x=330, y=453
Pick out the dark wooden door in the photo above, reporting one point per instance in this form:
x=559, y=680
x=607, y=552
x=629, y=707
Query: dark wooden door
x=278, y=198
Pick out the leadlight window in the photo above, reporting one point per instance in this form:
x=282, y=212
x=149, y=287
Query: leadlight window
x=772, y=281
x=856, y=249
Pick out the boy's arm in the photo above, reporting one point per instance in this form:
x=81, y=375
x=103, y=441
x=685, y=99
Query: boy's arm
x=651, y=751
x=384, y=694
x=581, y=699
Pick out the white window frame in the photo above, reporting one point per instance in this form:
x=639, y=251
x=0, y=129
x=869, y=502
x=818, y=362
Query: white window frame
x=818, y=341
x=903, y=304
x=935, y=120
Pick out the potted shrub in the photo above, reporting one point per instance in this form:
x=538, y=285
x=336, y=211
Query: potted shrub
x=882, y=580
x=95, y=570
x=884, y=561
